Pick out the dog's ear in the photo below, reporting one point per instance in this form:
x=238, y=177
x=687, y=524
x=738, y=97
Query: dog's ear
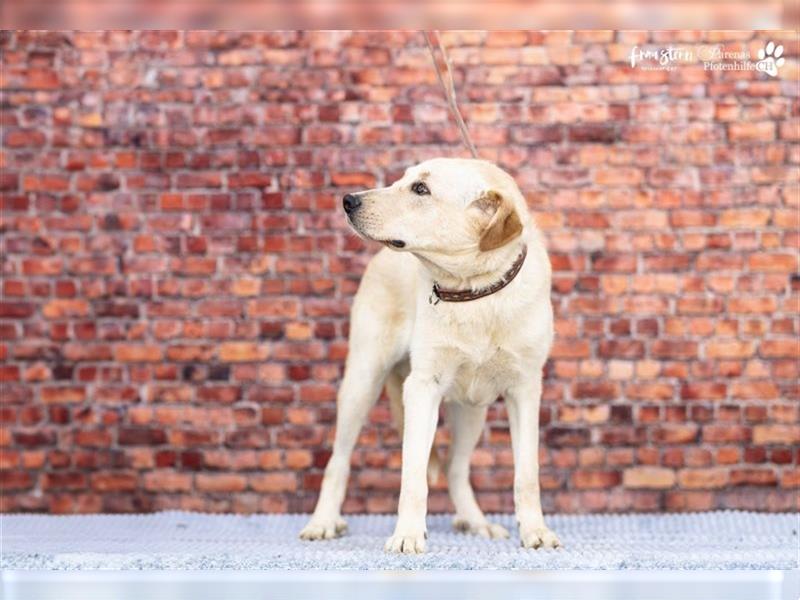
x=504, y=224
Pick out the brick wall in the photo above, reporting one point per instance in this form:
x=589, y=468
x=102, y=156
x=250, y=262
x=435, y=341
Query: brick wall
x=177, y=273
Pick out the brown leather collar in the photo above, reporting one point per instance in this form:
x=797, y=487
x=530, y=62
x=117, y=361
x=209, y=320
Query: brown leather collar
x=466, y=295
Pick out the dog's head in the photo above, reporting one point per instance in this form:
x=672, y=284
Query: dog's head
x=449, y=207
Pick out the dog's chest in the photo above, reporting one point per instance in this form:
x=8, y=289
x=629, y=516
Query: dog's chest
x=482, y=376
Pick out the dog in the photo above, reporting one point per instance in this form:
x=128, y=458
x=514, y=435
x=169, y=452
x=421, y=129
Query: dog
x=456, y=308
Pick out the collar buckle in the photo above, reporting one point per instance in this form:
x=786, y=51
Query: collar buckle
x=434, y=298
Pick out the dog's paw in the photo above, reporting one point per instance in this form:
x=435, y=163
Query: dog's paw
x=491, y=531
x=323, y=529
x=406, y=543
x=538, y=537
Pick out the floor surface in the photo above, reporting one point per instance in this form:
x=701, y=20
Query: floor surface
x=192, y=541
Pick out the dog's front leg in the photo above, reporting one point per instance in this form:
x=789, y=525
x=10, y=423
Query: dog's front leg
x=421, y=399
x=523, y=413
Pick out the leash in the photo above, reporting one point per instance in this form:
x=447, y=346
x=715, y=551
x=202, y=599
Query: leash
x=449, y=89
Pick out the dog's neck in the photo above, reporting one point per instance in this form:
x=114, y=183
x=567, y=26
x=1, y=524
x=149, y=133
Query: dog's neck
x=482, y=270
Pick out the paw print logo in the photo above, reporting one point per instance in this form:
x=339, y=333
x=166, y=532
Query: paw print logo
x=770, y=59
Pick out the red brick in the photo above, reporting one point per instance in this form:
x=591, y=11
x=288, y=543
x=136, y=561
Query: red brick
x=16, y=310
x=286, y=308
x=137, y=353
x=621, y=348
x=691, y=501
x=648, y=477
x=272, y=483
x=766, y=477
x=703, y=478
x=586, y=479
x=249, y=179
x=762, y=132
x=114, y=482
x=220, y=482
x=704, y=390
x=570, y=349
x=141, y=436
x=790, y=479
x=242, y=352
x=674, y=349
x=16, y=480
x=729, y=349
x=776, y=434
x=58, y=309
x=779, y=348
x=725, y=433
x=557, y=437
x=65, y=480
x=167, y=481
x=96, y=439
x=63, y=394
x=676, y=434
x=774, y=262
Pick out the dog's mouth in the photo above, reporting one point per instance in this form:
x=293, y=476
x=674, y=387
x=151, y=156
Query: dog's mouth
x=399, y=244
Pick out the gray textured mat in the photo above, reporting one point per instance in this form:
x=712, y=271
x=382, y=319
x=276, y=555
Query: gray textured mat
x=180, y=540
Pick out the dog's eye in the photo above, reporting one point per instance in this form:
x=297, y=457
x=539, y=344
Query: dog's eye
x=420, y=189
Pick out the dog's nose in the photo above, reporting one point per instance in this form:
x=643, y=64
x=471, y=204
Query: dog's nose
x=350, y=202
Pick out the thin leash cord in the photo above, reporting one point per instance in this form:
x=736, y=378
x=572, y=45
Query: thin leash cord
x=449, y=90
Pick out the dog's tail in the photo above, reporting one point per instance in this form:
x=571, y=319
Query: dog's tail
x=394, y=389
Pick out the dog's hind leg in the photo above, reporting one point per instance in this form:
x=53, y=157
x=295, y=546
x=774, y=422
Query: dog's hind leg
x=466, y=424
